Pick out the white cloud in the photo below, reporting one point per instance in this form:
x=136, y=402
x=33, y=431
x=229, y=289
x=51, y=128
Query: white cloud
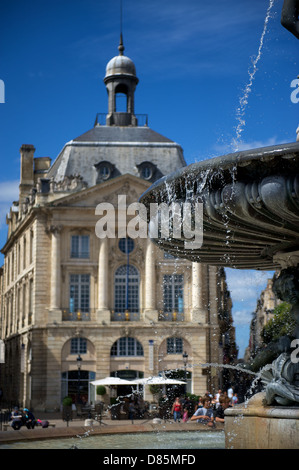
x=228, y=147
x=9, y=191
x=246, y=285
x=242, y=317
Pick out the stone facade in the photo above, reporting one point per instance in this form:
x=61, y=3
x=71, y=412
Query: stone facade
x=125, y=306
x=263, y=313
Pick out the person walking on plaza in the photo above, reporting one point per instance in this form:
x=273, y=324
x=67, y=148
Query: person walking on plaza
x=176, y=409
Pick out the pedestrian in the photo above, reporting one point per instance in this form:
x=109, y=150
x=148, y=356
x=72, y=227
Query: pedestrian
x=199, y=404
x=185, y=415
x=131, y=411
x=176, y=409
x=230, y=392
x=29, y=419
x=16, y=419
x=217, y=396
x=235, y=399
x=204, y=415
x=224, y=402
x=164, y=408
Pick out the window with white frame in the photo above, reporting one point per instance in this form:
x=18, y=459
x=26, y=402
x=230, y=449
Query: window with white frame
x=174, y=345
x=80, y=246
x=127, y=346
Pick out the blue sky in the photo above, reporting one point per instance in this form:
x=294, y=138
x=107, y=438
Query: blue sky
x=193, y=60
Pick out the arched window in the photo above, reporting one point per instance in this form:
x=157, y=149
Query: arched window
x=121, y=99
x=127, y=346
x=126, y=293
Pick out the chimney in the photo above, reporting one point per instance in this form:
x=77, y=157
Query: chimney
x=41, y=167
x=27, y=175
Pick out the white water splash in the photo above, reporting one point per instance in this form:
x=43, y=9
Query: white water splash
x=244, y=98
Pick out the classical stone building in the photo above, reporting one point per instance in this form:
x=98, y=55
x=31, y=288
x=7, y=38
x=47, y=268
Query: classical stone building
x=127, y=308
x=262, y=314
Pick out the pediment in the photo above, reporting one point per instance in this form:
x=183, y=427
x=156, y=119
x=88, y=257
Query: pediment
x=108, y=191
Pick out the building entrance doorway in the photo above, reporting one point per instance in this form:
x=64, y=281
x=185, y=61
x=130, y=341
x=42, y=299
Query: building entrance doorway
x=126, y=391
x=178, y=390
x=77, y=386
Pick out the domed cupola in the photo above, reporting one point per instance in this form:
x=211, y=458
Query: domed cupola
x=121, y=78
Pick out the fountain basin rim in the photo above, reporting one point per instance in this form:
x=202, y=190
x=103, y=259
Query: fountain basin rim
x=250, y=207
x=225, y=162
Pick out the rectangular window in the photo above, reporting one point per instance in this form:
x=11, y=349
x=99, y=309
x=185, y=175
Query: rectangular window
x=78, y=346
x=79, y=294
x=19, y=257
x=24, y=252
x=24, y=309
x=31, y=246
x=126, y=293
x=173, y=296
x=30, y=301
x=174, y=345
x=80, y=246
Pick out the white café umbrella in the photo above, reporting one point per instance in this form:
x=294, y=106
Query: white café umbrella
x=112, y=381
x=159, y=381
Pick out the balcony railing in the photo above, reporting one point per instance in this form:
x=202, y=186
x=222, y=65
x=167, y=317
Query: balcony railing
x=125, y=316
x=171, y=316
x=78, y=315
x=101, y=119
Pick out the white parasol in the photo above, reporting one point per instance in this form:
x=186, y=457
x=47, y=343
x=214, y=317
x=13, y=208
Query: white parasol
x=112, y=381
x=158, y=381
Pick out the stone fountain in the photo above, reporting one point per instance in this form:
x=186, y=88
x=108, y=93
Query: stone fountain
x=250, y=220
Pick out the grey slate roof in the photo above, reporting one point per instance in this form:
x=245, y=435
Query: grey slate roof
x=121, y=134
x=126, y=148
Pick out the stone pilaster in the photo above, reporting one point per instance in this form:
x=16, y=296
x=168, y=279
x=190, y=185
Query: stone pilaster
x=55, y=287
x=103, y=312
x=199, y=280
x=150, y=312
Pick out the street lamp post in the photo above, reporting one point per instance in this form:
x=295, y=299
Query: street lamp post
x=185, y=359
x=79, y=362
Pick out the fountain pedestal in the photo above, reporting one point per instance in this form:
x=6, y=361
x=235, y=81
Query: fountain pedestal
x=255, y=426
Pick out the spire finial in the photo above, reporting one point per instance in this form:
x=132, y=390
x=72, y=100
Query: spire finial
x=121, y=47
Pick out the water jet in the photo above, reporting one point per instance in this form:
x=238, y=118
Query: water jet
x=250, y=203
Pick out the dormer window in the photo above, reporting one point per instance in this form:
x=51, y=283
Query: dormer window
x=104, y=171
x=146, y=170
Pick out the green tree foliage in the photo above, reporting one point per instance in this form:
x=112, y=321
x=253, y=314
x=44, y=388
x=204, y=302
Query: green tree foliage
x=281, y=324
